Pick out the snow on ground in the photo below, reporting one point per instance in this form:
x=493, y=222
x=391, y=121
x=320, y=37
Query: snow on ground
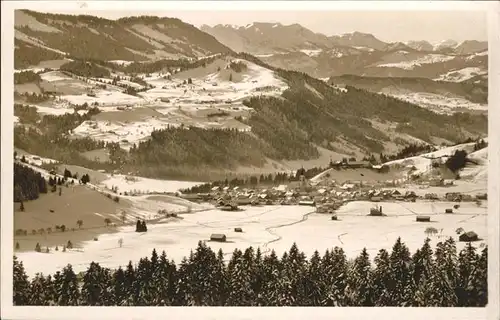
x=365, y=49
x=56, y=110
x=35, y=70
x=36, y=160
x=423, y=162
x=477, y=172
x=103, y=97
x=461, y=75
x=130, y=84
x=129, y=183
x=477, y=54
x=212, y=89
x=264, y=55
x=312, y=53
x=121, y=62
x=439, y=103
x=124, y=133
x=270, y=227
x=410, y=65
x=52, y=76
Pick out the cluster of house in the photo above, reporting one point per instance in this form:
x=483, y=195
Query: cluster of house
x=325, y=198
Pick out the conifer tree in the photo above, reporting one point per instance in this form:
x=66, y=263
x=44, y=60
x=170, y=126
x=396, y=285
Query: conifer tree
x=119, y=293
x=294, y=278
x=271, y=279
x=220, y=280
x=144, y=282
x=359, y=290
x=161, y=279
x=38, y=291
x=240, y=278
x=21, y=289
x=96, y=289
x=382, y=278
x=66, y=287
x=468, y=261
x=401, y=290
x=334, y=266
x=314, y=287
x=185, y=296
x=131, y=290
x=480, y=279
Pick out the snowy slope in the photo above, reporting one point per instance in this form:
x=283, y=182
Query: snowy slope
x=409, y=65
x=423, y=162
x=461, y=75
x=130, y=183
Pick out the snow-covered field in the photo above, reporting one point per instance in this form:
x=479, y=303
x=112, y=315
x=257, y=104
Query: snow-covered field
x=211, y=88
x=312, y=53
x=104, y=97
x=439, y=103
x=182, y=104
x=124, y=133
x=423, y=163
x=121, y=62
x=410, y=65
x=53, y=76
x=270, y=227
x=57, y=110
x=35, y=160
x=145, y=185
x=462, y=74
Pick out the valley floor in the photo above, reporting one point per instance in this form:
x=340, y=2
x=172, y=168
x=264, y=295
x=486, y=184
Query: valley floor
x=270, y=227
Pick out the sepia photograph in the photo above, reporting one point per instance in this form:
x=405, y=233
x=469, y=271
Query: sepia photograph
x=287, y=155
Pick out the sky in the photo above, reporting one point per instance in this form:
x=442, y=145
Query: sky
x=389, y=26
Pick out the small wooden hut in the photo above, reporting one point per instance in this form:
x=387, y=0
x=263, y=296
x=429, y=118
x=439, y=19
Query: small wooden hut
x=468, y=236
x=423, y=219
x=218, y=237
x=449, y=210
x=238, y=230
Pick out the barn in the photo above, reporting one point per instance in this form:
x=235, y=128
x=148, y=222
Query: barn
x=468, y=236
x=218, y=237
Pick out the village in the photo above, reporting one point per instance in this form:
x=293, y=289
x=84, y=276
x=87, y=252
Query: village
x=328, y=196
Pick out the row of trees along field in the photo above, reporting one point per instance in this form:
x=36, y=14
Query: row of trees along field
x=396, y=278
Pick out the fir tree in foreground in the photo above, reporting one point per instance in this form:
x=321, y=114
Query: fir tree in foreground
x=397, y=278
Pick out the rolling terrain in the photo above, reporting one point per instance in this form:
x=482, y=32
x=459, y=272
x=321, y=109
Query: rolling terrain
x=231, y=102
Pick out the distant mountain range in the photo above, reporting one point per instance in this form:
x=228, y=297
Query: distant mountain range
x=267, y=38
x=353, y=53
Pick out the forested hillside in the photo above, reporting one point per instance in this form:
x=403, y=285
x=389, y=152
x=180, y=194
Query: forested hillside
x=398, y=278
x=471, y=90
x=144, y=38
x=28, y=184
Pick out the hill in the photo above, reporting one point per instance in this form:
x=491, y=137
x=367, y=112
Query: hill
x=239, y=112
x=439, y=96
x=44, y=36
